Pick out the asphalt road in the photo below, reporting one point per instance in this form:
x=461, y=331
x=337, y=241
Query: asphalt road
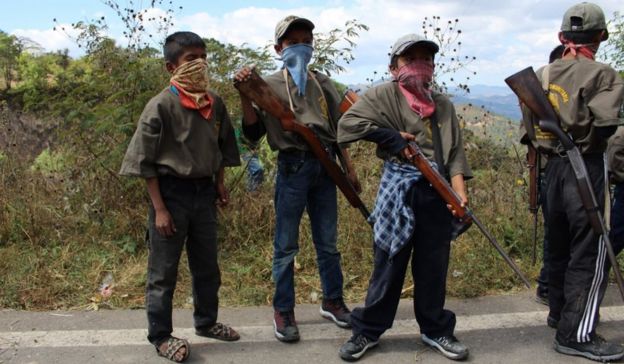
x=498, y=329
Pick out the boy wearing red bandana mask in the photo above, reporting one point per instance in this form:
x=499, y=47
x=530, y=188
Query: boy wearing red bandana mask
x=182, y=143
x=390, y=115
x=587, y=96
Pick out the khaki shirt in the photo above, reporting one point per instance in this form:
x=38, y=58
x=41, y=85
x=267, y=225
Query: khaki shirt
x=316, y=109
x=585, y=94
x=384, y=106
x=615, y=155
x=174, y=140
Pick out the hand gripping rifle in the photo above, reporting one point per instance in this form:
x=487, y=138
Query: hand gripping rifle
x=465, y=214
x=258, y=91
x=529, y=90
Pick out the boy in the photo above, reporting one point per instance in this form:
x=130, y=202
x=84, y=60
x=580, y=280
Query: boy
x=615, y=153
x=182, y=143
x=586, y=96
x=412, y=221
x=301, y=183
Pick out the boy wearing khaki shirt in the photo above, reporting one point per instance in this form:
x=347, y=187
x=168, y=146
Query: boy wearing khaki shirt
x=586, y=96
x=182, y=143
x=302, y=183
x=411, y=220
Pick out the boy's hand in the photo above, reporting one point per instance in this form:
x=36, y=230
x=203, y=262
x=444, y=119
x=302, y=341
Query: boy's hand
x=164, y=223
x=458, y=185
x=406, y=152
x=223, y=196
x=244, y=73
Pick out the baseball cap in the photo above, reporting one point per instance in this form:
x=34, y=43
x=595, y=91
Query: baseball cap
x=409, y=40
x=282, y=26
x=591, y=15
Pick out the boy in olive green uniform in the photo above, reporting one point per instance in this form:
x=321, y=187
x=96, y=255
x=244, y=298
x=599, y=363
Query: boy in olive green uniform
x=615, y=154
x=302, y=182
x=411, y=220
x=586, y=96
x=182, y=143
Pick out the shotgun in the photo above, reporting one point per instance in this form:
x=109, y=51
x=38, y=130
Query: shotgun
x=350, y=97
x=463, y=213
x=533, y=162
x=258, y=91
x=528, y=88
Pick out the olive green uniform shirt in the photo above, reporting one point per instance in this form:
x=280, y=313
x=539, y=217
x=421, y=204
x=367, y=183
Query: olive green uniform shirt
x=586, y=95
x=615, y=155
x=173, y=140
x=384, y=106
x=317, y=109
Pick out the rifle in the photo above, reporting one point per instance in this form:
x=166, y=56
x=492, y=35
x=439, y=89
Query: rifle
x=533, y=161
x=350, y=97
x=258, y=91
x=463, y=213
x=528, y=88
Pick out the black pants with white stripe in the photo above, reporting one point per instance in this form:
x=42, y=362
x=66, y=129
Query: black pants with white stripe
x=428, y=250
x=577, y=254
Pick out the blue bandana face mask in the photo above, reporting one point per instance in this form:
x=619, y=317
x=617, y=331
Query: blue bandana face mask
x=296, y=59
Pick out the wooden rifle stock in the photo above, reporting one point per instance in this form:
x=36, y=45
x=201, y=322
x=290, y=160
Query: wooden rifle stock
x=350, y=97
x=448, y=194
x=258, y=91
x=528, y=88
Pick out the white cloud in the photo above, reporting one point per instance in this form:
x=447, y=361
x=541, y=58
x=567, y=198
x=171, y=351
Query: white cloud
x=51, y=39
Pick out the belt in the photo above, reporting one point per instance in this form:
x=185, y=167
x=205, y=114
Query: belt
x=199, y=180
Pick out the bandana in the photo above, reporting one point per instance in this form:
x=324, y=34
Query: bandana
x=191, y=80
x=588, y=50
x=415, y=80
x=296, y=59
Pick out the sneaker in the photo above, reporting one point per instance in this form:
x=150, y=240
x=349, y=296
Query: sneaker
x=285, y=326
x=337, y=311
x=355, y=348
x=597, y=349
x=541, y=295
x=448, y=346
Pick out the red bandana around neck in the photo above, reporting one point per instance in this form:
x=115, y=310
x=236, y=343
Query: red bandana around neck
x=587, y=50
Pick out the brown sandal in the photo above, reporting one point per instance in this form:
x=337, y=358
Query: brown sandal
x=174, y=344
x=218, y=331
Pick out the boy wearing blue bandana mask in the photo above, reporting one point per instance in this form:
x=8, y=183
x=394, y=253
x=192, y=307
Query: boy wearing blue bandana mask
x=302, y=183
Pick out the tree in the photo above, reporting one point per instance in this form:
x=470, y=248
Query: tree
x=336, y=45
x=613, y=50
x=10, y=49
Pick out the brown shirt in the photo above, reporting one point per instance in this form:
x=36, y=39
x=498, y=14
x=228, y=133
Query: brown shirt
x=171, y=139
x=384, y=106
x=586, y=95
x=615, y=155
x=317, y=109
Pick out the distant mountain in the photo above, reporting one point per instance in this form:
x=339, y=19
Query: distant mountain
x=497, y=99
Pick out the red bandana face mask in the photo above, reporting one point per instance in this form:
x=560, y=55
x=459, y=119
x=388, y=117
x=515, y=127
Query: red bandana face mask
x=415, y=80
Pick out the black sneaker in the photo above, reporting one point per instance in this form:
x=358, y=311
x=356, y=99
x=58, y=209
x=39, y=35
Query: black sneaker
x=541, y=295
x=285, y=326
x=597, y=349
x=448, y=346
x=337, y=311
x=355, y=348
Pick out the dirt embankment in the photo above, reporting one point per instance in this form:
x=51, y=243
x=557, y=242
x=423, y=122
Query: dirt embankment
x=24, y=135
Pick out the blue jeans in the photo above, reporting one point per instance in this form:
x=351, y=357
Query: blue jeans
x=303, y=184
x=255, y=171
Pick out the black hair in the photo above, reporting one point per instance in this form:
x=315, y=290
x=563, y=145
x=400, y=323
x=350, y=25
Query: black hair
x=556, y=53
x=177, y=42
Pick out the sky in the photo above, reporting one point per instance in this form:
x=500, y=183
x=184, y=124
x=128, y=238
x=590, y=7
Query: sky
x=505, y=37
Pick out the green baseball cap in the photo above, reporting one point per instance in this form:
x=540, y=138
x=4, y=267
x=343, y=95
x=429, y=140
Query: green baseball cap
x=406, y=41
x=592, y=18
x=282, y=27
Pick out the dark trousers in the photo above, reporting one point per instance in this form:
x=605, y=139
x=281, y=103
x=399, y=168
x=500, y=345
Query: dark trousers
x=428, y=250
x=542, y=279
x=617, y=219
x=577, y=254
x=191, y=203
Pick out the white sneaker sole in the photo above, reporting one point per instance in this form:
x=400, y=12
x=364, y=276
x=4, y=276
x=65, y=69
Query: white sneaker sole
x=330, y=316
x=438, y=347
